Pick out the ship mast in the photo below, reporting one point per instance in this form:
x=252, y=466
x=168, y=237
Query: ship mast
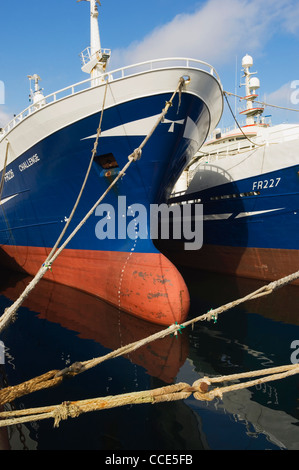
x=251, y=85
x=36, y=96
x=94, y=59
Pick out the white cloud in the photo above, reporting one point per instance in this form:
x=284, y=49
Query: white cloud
x=286, y=98
x=282, y=96
x=290, y=20
x=215, y=32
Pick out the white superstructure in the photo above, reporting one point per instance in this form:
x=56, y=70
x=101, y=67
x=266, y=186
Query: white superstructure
x=255, y=148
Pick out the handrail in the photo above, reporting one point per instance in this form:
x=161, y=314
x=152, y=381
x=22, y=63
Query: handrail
x=116, y=74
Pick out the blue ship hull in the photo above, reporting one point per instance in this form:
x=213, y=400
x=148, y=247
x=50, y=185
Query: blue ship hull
x=250, y=226
x=42, y=183
x=44, y=192
x=265, y=217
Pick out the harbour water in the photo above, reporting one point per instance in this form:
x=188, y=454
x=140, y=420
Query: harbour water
x=57, y=326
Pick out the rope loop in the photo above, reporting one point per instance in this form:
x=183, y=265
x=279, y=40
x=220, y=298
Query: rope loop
x=175, y=392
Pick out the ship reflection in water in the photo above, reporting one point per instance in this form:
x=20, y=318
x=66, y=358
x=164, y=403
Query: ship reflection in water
x=57, y=326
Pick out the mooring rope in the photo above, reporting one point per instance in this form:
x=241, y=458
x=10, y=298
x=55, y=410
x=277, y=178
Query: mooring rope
x=200, y=388
x=55, y=377
x=93, y=154
x=10, y=312
x=179, y=391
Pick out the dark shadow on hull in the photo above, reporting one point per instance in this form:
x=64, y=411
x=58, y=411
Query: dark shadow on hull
x=7, y=262
x=218, y=230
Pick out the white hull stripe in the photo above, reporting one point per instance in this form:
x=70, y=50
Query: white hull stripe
x=139, y=127
x=142, y=127
x=239, y=216
x=248, y=214
x=216, y=216
x=6, y=199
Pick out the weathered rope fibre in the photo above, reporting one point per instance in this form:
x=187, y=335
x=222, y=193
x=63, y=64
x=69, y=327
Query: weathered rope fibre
x=55, y=377
x=180, y=391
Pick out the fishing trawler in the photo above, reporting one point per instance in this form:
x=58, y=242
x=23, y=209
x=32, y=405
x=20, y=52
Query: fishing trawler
x=247, y=180
x=45, y=153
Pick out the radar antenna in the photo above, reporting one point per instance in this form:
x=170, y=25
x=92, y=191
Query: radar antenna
x=36, y=95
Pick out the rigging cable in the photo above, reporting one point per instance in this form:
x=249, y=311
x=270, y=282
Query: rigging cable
x=235, y=119
x=263, y=103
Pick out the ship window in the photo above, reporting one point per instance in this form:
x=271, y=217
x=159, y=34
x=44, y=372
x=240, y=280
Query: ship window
x=231, y=196
x=106, y=161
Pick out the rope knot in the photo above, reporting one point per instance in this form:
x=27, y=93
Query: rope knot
x=211, y=315
x=136, y=155
x=74, y=369
x=200, y=389
x=48, y=266
x=64, y=411
x=177, y=330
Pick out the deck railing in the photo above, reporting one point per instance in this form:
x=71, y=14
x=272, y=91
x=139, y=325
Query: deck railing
x=117, y=74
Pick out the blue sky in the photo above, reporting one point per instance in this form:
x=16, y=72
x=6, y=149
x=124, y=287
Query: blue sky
x=46, y=37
